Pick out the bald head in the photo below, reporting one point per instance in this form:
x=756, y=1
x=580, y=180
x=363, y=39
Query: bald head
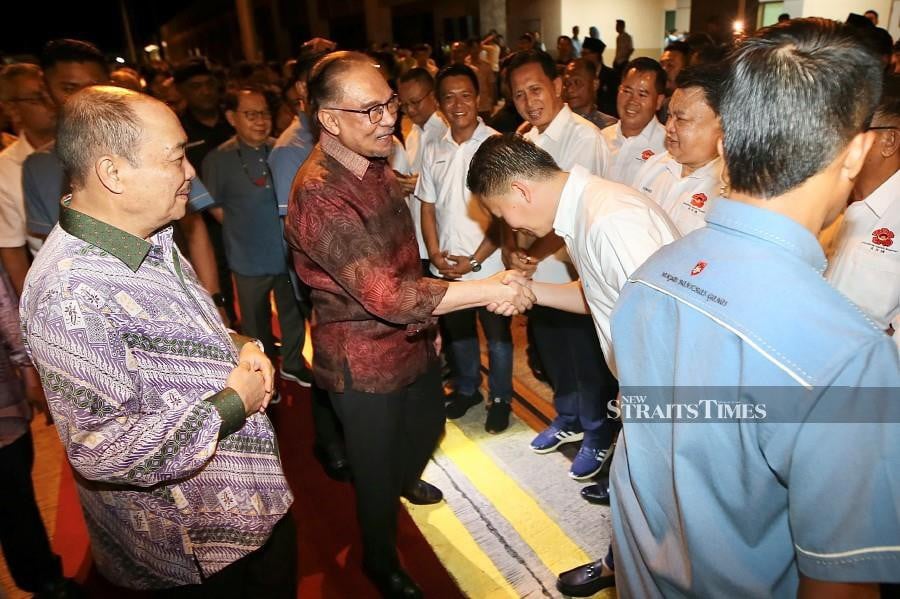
x=100, y=120
x=327, y=80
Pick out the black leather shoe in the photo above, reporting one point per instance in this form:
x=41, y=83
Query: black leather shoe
x=422, y=493
x=597, y=493
x=459, y=404
x=334, y=461
x=395, y=584
x=584, y=581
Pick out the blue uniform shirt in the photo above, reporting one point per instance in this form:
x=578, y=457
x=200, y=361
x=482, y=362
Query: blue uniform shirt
x=737, y=316
x=44, y=184
x=290, y=151
x=251, y=228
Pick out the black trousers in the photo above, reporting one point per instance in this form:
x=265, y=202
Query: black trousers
x=390, y=438
x=23, y=537
x=270, y=571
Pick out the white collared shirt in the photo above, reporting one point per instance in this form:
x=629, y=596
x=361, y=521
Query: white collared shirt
x=685, y=199
x=411, y=163
x=628, y=154
x=610, y=230
x=570, y=139
x=462, y=221
x=866, y=263
x=12, y=199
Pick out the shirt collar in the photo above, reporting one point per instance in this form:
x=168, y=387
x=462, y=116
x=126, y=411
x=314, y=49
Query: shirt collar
x=645, y=133
x=557, y=126
x=126, y=247
x=480, y=134
x=569, y=200
x=353, y=162
x=768, y=226
x=435, y=123
x=886, y=194
x=704, y=172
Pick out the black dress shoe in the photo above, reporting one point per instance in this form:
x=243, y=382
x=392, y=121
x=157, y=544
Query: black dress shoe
x=597, y=493
x=585, y=580
x=334, y=461
x=395, y=584
x=422, y=493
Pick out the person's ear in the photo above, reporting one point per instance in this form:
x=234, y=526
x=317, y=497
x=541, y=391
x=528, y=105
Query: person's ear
x=660, y=98
x=107, y=170
x=887, y=142
x=229, y=116
x=855, y=154
x=557, y=87
x=523, y=190
x=329, y=122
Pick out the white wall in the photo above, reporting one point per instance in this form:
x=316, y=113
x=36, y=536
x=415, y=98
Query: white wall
x=644, y=20
x=839, y=9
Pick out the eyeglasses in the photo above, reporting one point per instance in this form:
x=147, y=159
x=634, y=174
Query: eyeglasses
x=256, y=115
x=405, y=106
x=35, y=100
x=376, y=113
x=883, y=128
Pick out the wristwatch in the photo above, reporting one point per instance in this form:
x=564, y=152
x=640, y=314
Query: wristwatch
x=476, y=265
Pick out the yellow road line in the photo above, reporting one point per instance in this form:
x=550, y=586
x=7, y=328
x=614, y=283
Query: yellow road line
x=548, y=541
x=464, y=559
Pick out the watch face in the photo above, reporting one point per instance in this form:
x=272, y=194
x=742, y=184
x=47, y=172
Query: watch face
x=476, y=268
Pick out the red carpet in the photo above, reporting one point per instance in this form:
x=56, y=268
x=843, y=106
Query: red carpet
x=329, y=552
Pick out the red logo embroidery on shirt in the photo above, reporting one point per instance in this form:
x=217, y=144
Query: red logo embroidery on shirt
x=698, y=268
x=698, y=200
x=646, y=154
x=883, y=236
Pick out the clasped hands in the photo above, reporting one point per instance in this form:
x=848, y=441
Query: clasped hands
x=253, y=379
x=512, y=292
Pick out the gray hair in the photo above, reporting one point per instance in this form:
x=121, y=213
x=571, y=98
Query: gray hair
x=96, y=121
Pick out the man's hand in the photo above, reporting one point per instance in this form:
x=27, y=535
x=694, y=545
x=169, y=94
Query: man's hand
x=407, y=182
x=320, y=44
x=516, y=259
x=442, y=262
x=514, y=295
x=259, y=362
x=461, y=266
x=251, y=388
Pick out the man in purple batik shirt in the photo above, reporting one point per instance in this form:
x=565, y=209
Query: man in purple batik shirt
x=161, y=411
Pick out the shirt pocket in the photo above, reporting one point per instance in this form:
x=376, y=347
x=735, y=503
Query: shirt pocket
x=875, y=283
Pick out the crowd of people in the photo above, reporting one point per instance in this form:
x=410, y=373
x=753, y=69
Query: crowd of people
x=672, y=230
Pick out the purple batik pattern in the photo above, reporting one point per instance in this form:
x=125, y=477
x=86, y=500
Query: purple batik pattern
x=127, y=359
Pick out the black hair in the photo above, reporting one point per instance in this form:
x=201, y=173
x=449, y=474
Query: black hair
x=455, y=70
x=502, y=158
x=232, y=99
x=683, y=47
x=192, y=67
x=585, y=64
x=708, y=78
x=418, y=74
x=69, y=50
x=520, y=59
x=889, y=106
x=648, y=65
x=795, y=95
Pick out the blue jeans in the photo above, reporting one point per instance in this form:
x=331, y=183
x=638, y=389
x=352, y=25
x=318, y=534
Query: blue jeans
x=462, y=342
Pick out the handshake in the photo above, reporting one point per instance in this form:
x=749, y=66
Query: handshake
x=510, y=293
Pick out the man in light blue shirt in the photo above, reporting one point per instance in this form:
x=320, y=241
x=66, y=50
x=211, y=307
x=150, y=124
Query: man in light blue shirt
x=760, y=454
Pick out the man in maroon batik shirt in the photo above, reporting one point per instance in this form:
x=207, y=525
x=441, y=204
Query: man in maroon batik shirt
x=353, y=242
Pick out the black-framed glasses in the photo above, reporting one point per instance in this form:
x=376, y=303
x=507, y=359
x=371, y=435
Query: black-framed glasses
x=256, y=115
x=376, y=113
x=405, y=106
x=883, y=128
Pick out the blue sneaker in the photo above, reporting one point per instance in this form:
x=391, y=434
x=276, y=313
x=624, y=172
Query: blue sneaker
x=587, y=463
x=552, y=437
